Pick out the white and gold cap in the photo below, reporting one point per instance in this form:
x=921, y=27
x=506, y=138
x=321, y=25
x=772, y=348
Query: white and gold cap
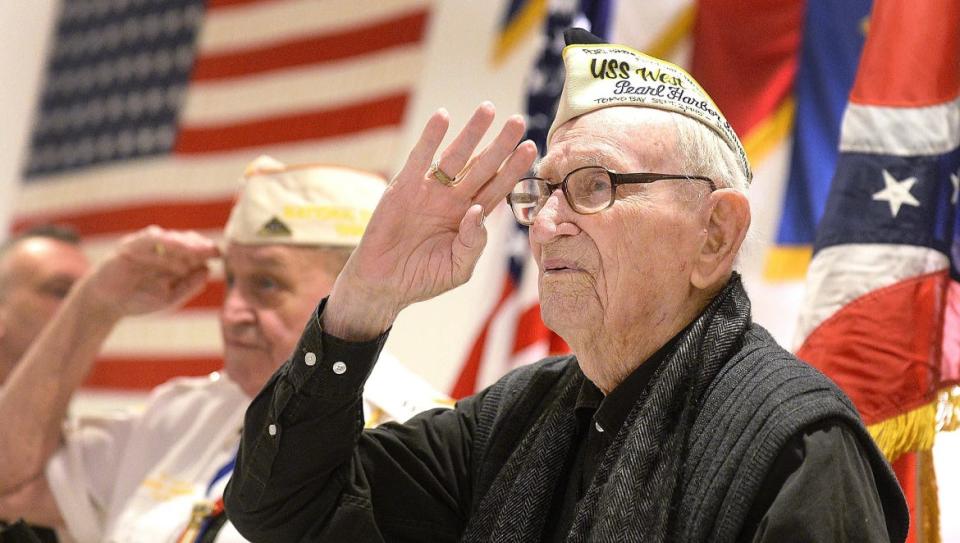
x=600, y=75
x=308, y=204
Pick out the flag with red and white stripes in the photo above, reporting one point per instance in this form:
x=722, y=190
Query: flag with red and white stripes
x=881, y=316
x=150, y=111
x=513, y=333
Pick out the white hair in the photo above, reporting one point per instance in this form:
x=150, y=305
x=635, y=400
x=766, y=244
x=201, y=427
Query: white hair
x=704, y=153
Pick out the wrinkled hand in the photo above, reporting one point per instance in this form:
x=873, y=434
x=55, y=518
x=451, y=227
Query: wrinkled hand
x=150, y=270
x=425, y=237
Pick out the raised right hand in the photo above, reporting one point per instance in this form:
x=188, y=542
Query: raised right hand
x=150, y=270
x=425, y=237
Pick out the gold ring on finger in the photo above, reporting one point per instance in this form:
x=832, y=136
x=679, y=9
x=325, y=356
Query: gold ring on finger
x=160, y=249
x=441, y=176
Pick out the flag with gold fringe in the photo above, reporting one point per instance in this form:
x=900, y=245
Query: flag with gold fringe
x=882, y=313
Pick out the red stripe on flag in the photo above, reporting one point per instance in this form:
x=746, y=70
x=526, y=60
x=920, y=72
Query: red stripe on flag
x=878, y=347
x=531, y=330
x=356, y=41
x=143, y=373
x=901, y=66
x=905, y=468
x=194, y=215
x=211, y=297
x=303, y=126
x=466, y=383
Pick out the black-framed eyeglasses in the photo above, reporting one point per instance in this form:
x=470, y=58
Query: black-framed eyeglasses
x=589, y=189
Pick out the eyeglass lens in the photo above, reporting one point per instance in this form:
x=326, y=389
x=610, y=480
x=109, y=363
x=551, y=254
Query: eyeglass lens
x=587, y=190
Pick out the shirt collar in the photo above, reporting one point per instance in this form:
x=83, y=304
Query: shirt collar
x=613, y=409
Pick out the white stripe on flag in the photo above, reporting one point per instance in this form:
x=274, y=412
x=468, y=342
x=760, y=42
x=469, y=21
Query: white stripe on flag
x=309, y=88
x=185, y=333
x=190, y=179
x=901, y=131
x=842, y=273
x=240, y=27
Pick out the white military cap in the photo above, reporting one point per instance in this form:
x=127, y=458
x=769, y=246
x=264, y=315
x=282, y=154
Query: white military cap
x=602, y=75
x=307, y=204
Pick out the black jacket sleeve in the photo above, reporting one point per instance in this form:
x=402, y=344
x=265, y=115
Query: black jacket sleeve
x=820, y=488
x=307, y=471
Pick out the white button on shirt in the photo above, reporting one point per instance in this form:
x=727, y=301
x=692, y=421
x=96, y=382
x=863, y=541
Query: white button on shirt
x=310, y=359
x=136, y=478
x=339, y=368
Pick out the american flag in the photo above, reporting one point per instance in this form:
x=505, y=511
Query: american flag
x=881, y=315
x=151, y=110
x=513, y=333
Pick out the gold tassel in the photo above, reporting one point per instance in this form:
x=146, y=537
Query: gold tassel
x=929, y=529
x=915, y=431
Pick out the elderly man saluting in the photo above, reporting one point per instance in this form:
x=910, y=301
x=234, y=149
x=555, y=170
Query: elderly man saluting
x=158, y=475
x=676, y=419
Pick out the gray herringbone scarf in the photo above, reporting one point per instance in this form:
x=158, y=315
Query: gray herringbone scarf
x=636, y=490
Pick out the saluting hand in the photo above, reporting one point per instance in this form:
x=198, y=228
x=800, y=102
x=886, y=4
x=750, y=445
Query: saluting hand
x=425, y=237
x=150, y=270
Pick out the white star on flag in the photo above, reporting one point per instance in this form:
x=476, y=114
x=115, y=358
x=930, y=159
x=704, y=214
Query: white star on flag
x=897, y=193
x=955, y=179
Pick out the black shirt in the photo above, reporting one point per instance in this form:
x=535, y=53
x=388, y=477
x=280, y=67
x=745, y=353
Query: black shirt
x=307, y=470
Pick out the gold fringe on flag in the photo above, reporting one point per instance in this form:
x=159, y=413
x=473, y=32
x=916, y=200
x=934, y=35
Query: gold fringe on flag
x=915, y=429
x=910, y=431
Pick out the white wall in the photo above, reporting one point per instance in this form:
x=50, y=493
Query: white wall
x=25, y=27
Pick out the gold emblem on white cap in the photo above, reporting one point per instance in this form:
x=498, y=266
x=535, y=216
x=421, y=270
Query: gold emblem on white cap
x=303, y=205
x=274, y=227
x=605, y=75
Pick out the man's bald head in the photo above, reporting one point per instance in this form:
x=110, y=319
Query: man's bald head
x=37, y=270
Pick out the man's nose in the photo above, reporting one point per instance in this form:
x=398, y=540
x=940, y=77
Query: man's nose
x=236, y=309
x=553, y=219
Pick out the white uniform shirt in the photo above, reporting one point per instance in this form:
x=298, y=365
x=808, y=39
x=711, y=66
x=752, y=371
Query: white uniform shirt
x=136, y=478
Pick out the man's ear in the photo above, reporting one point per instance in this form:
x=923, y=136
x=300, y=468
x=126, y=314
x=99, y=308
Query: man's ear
x=727, y=221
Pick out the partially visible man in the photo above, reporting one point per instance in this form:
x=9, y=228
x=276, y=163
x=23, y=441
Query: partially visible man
x=37, y=269
x=159, y=475
x=676, y=419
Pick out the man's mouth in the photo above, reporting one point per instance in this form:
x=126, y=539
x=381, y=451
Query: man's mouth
x=238, y=344
x=559, y=265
